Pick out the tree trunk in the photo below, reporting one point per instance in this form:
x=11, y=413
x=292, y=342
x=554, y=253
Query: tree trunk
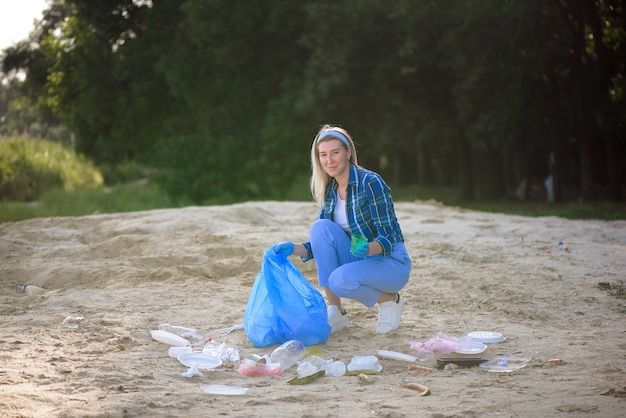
x=577, y=24
x=466, y=177
x=488, y=174
x=614, y=169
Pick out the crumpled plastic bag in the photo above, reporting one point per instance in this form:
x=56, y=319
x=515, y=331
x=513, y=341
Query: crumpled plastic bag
x=222, y=351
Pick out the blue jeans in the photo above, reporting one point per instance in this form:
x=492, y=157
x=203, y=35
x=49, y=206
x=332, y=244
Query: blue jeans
x=351, y=277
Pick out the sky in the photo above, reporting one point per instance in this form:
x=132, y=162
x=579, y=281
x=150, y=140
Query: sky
x=17, y=19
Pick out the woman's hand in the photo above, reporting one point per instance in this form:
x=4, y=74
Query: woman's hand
x=361, y=251
x=284, y=248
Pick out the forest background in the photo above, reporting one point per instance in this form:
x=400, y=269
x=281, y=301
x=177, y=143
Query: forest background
x=221, y=99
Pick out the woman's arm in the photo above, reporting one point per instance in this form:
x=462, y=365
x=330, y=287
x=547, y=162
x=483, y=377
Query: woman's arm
x=300, y=249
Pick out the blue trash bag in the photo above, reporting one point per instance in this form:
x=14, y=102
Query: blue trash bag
x=284, y=306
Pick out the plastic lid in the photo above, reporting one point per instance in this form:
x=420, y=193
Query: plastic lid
x=486, y=337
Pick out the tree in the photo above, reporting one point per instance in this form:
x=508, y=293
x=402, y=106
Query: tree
x=224, y=97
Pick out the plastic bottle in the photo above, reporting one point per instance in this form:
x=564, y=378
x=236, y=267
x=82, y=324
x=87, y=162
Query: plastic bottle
x=288, y=354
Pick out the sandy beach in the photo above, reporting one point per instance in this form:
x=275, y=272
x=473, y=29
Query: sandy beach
x=83, y=347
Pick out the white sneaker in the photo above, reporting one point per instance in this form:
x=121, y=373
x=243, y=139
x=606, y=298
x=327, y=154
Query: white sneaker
x=336, y=319
x=389, y=315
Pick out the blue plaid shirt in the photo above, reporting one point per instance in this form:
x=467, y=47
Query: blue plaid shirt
x=369, y=208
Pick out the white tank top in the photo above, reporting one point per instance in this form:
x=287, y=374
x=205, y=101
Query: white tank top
x=339, y=215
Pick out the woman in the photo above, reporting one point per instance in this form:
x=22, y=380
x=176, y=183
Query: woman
x=355, y=203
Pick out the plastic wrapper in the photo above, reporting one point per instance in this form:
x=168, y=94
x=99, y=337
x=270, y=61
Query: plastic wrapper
x=250, y=368
x=443, y=343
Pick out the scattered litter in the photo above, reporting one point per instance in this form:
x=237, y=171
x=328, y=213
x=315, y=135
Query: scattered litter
x=224, y=390
x=72, y=322
x=361, y=363
x=28, y=289
x=487, y=337
x=443, y=343
x=167, y=337
x=193, y=371
x=504, y=364
x=559, y=248
x=249, y=368
x=423, y=390
x=221, y=351
x=182, y=331
x=460, y=361
x=178, y=351
x=228, y=330
x=200, y=361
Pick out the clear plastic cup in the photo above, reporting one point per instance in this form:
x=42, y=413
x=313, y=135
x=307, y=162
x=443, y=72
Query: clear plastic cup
x=336, y=368
x=306, y=368
x=357, y=241
x=317, y=361
x=425, y=355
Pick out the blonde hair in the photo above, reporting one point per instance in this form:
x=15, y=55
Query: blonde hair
x=319, y=178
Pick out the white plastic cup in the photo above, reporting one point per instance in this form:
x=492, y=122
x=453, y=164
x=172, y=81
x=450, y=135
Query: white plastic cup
x=336, y=368
x=425, y=355
x=178, y=351
x=364, y=362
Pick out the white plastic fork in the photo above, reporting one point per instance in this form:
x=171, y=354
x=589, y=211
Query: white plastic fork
x=228, y=330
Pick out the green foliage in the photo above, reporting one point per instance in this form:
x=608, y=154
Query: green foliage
x=28, y=168
x=224, y=98
x=123, y=172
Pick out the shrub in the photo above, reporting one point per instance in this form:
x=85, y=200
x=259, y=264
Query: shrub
x=29, y=167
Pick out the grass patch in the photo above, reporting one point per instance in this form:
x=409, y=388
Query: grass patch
x=570, y=210
x=58, y=202
x=143, y=195
x=615, y=289
x=29, y=167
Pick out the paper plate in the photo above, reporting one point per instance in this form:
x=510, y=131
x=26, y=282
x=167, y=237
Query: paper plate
x=394, y=355
x=224, y=390
x=200, y=360
x=486, y=337
x=504, y=364
x=169, y=338
x=474, y=348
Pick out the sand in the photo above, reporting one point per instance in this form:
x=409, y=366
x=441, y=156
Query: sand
x=83, y=347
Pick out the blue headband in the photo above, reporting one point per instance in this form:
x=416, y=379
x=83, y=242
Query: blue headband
x=336, y=134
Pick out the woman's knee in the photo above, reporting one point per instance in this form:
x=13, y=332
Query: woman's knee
x=324, y=230
x=320, y=225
